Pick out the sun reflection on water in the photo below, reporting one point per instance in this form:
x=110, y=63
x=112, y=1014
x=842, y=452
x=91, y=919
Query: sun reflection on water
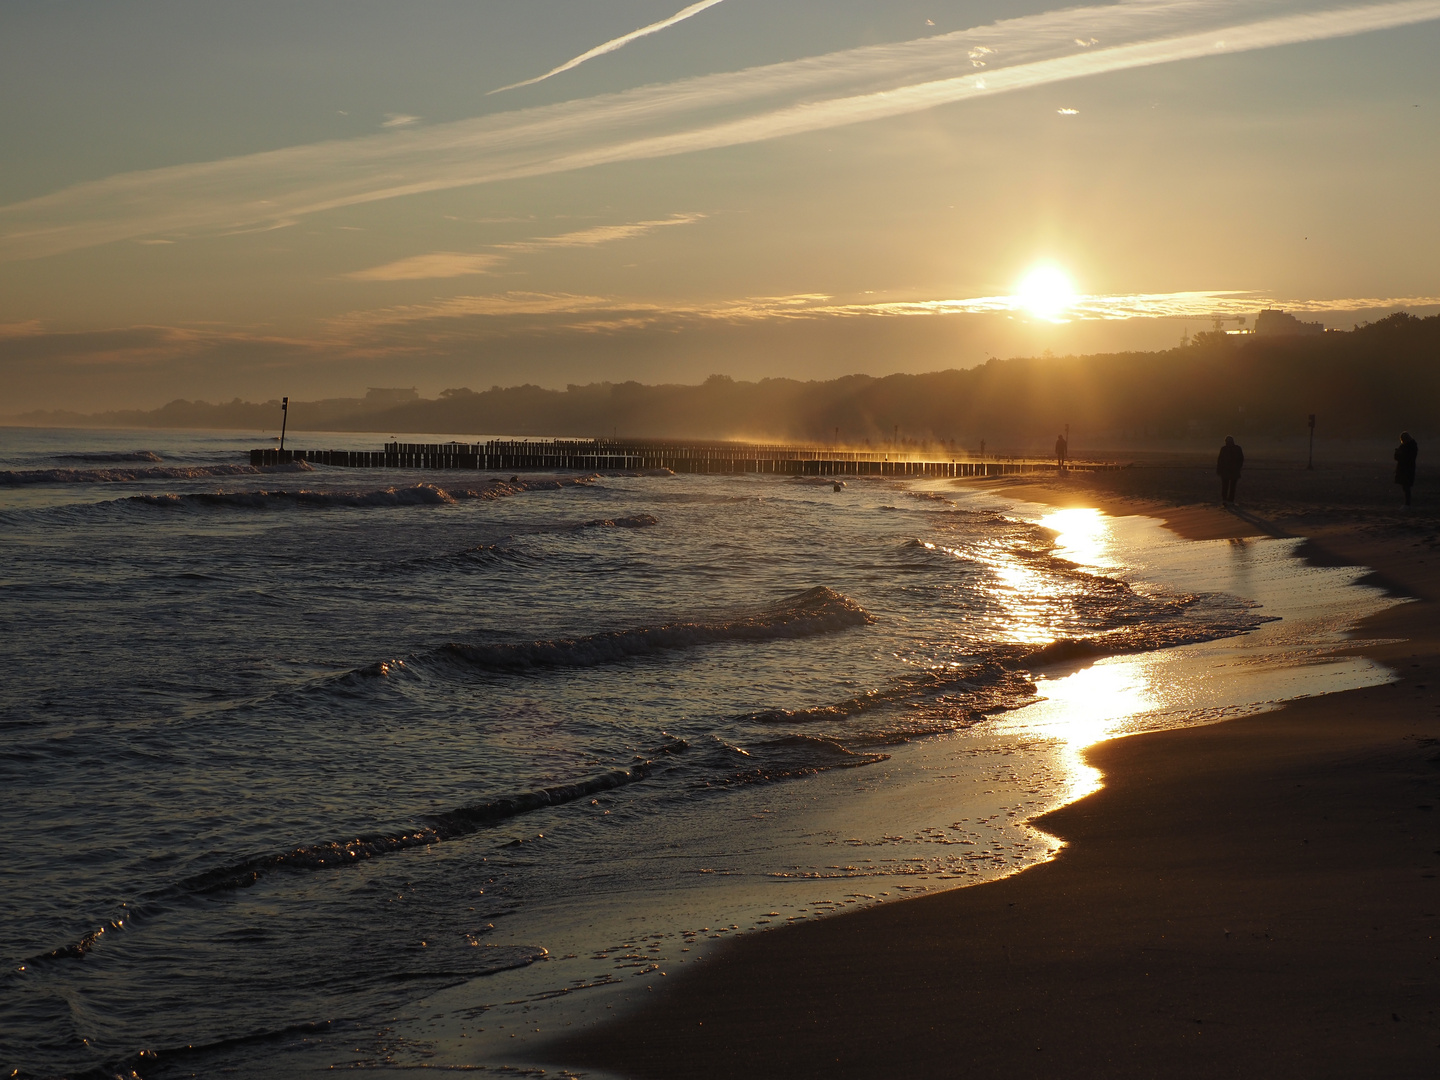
x=1029, y=589
x=1084, y=536
x=1088, y=706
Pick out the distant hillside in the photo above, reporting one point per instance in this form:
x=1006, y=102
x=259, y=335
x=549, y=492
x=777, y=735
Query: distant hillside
x=1370, y=381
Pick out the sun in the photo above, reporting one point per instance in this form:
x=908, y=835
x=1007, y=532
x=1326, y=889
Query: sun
x=1045, y=292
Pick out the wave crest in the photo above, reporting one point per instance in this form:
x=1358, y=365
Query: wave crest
x=815, y=611
x=21, y=477
x=421, y=494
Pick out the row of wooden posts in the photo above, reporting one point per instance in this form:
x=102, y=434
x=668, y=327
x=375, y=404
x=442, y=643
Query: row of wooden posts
x=606, y=454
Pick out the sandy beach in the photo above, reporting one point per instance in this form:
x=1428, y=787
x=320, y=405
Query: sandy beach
x=1252, y=898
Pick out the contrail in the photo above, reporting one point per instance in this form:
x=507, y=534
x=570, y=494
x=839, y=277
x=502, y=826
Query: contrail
x=613, y=44
x=278, y=187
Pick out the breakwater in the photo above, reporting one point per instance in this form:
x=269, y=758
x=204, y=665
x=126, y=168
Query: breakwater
x=593, y=455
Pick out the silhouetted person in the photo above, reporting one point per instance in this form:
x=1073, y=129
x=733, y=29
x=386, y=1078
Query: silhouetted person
x=1061, y=449
x=1228, y=465
x=1405, y=455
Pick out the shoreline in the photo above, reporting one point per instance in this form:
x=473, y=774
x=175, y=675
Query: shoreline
x=1255, y=897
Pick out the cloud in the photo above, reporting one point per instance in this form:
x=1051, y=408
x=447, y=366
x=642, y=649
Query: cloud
x=452, y=264
x=394, y=120
x=866, y=84
x=582, y=312
x=615, y=43
x=599, y=234
x=457, y=326
x=434, y=264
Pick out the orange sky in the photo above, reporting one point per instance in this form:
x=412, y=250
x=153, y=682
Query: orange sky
x=197, y=201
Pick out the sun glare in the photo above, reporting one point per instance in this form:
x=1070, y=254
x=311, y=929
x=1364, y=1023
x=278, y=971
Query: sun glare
x=1045, y=292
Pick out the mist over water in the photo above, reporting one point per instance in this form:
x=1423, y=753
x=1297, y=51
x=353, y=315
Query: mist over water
x=288, y=752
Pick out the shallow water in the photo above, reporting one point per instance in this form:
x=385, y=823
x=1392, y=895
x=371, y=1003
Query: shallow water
x=304, y=767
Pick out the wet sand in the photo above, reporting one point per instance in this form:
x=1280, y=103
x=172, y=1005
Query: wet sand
x=1253, y=898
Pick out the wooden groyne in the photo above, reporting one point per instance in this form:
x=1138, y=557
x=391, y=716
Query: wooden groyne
x=601, y=455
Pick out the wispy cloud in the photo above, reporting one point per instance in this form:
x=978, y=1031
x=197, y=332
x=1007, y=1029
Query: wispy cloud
x=614, y=43
x=432, y=264
x=872, y=83
x=599, y=234
x=394, y=120
x=452, y=326
x=452, y=264
x=585, y=312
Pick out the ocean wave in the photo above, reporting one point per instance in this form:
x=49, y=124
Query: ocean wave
x=483, y=555
x=421, y=494
x=112, y=456
x=784, y=758
x=968, y=693
x=430, y=829
x=21, y=477
x=932, y=700
x=415, y=495
x=816, y=611
x=630, y=521
x=434, y=829
x=488, y=959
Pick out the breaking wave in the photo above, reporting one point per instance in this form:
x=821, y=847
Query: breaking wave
x=20, y=477
x=414, y=495
x=724, y=764
x=113, y=456
x=632, y=521
x=816, y=611
x=430, y=829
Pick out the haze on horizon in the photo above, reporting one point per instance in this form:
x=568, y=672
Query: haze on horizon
x=208, y=201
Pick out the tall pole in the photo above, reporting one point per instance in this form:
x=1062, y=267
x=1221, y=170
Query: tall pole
x=1311, y=463
x=284, y=417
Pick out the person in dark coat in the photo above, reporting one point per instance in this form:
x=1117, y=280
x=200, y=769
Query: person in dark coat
x=1062, y=450
x=1228, y=465
x=1405, y=455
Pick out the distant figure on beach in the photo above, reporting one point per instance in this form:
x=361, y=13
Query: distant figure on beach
x=1061, y=449
x=1405, y=455
x=1228, y=465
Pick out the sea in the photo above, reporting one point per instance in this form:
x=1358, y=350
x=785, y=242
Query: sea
x=307, y=768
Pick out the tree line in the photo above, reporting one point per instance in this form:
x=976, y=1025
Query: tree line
x=1369, y=381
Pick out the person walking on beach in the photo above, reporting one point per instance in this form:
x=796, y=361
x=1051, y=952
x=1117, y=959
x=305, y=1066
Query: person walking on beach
x=1405, y=455
x=1228, y=465
x=1061, y=449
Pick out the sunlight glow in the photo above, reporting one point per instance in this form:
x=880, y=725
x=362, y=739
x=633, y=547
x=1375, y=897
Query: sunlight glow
x=1083, y=536
x=1045, y=292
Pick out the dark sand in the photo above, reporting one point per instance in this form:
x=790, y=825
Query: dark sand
x=1256, y=898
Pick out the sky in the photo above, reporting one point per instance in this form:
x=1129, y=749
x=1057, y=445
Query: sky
x=261, y=198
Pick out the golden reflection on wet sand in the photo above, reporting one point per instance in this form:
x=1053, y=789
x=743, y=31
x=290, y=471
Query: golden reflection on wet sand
x=1292, y=657
x=1084, y=536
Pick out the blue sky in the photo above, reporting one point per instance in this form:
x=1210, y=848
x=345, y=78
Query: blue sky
x=210, y=200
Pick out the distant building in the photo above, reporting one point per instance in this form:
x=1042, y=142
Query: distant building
x=1272, y=322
